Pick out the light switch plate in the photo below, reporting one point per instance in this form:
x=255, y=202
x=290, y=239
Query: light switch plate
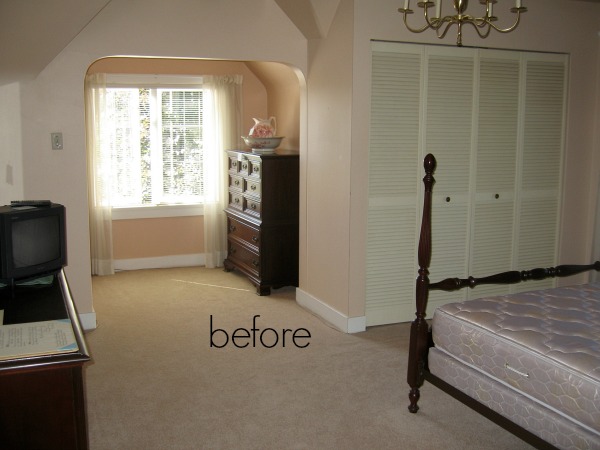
x=57, y=141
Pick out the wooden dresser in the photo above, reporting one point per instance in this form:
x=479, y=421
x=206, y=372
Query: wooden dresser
x=262, y=218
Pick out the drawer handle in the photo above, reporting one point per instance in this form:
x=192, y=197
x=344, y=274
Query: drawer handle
x=244, y=166
x=232, y=251
x=253, y=187
x=232, y=228
x=255, y=263
x=254, y=238
x=234, y=164
x=256, y=169
x=497, y=196
x=253, y=206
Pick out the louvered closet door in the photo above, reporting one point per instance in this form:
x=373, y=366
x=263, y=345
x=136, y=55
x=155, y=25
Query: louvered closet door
x=540, y=184
x=494, y=120
x=447, y=134
x=394, y=179
x=495, y=161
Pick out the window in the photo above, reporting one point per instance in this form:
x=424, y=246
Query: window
x=153, y=134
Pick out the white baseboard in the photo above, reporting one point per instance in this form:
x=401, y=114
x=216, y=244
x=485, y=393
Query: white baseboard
x=88, y=321
x=196, y=259
x=327, y=313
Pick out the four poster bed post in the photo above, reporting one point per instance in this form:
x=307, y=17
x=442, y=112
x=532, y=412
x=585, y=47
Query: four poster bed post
x=421, y=339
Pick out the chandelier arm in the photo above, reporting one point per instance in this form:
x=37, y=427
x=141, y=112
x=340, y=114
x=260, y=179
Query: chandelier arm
x=450, y=23
x=509, y=29
x=436, y=22
x=414, y=30
x=479, y=26
x=481, y=22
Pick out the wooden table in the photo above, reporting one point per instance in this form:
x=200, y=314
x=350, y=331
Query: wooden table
x=42, y=354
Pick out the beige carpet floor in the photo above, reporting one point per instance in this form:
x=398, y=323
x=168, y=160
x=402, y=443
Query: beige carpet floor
x=156, y=383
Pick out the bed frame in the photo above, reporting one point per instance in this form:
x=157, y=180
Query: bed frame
x=420, y=332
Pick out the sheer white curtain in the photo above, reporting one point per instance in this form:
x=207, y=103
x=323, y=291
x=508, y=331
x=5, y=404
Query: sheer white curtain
x=99, y=178
x=223, y=122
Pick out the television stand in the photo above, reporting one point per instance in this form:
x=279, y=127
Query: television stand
x=42, y=400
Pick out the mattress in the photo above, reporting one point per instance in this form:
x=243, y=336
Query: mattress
x=544, y=345
x=539, y=420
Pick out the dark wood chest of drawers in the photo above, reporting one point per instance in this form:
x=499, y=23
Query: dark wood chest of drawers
x=262, y=218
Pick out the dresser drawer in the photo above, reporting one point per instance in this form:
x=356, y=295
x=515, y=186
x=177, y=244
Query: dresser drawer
x=236, y=200
x=243, y=232
x=253, y=187
x=255, y=168
x=245, y=166
x=234, y=165
x=252, y=206
x=243, y=257
x=236, y=182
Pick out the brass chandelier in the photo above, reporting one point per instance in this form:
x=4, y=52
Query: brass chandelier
x=483, y=25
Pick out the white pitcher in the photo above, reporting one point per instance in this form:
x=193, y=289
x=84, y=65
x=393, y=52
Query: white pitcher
x=264, y=127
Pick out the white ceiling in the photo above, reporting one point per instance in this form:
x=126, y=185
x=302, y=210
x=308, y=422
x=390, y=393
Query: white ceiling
x=33, y=32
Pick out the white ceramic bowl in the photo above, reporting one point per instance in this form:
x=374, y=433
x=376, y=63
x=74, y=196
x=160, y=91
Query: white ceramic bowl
x=262, y=144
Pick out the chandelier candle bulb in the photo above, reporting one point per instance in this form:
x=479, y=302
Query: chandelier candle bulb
x=438, y=9
x=406, y=4
x=518, y=3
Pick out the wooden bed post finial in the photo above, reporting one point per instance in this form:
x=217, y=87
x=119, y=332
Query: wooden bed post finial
x=419, y=330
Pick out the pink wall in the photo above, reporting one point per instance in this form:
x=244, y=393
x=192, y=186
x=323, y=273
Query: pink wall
x=144, y=238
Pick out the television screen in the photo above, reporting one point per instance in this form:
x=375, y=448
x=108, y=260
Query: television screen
x=32, y=241
x=35, y=241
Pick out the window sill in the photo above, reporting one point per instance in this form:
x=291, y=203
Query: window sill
x=155, y=212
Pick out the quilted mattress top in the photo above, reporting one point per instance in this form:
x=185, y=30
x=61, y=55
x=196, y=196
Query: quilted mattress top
x=544, y=343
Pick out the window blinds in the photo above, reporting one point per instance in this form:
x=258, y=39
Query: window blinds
x=155, y=142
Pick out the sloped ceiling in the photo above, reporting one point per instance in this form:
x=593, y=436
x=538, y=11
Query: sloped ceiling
x=311, y=17
x=33, y=32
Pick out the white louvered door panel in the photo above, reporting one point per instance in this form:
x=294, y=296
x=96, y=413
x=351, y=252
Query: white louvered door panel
x=495, y=169
x=393, y=185
x=541, y=175
x=448, y=136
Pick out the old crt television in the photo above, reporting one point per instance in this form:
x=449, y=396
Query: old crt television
x=32, y=241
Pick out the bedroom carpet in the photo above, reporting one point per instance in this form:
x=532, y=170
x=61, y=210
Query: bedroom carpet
x=156, y=383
